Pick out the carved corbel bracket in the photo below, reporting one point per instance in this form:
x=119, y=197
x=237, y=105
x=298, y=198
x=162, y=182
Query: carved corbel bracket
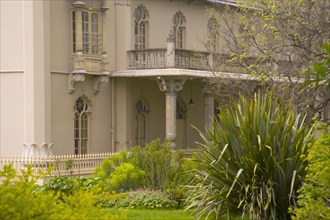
x=98, y=80
x=73, y=78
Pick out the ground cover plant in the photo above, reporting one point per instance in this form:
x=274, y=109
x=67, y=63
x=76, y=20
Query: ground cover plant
x=253, y=161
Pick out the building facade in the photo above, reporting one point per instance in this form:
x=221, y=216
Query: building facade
x=94, y=76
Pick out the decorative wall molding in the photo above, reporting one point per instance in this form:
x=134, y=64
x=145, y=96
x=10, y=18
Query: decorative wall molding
x=11, y=71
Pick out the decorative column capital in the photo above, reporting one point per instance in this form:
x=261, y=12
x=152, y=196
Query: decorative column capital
x=170, y=85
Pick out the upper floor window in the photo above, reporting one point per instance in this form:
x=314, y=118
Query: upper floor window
x=179, y=29
x=213, y=34
x=90, y=32
x=81, y=126
x=140, y=27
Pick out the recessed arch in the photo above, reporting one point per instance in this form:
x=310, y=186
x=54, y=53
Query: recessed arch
x=82, y=112
x=142, y=110
x=141, y=27
x=179, y=28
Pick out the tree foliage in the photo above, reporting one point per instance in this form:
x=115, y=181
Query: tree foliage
x=274, y=41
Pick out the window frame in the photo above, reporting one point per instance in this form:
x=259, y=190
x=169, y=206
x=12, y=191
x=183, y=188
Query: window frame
x=213, y=28
x=90, y=34
x=179, y=28
x=141, y=114
x=141, y=28
x=82, y=127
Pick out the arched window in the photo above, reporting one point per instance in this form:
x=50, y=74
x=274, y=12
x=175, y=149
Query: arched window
x=179, y=22
x=181, y=109
x=141, y=112
x=213, y=32
x=81, y=125
x=140, y=27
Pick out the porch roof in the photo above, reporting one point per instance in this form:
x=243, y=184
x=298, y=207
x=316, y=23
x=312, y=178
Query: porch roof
x=176, y=72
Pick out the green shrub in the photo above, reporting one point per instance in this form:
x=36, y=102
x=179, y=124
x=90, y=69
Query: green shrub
x=314, y=195
x=109, y=165
x=253, y=162
x=17, y=198
x=126, y=177
x=155, y=159
x=20, y=199
x=156, y=167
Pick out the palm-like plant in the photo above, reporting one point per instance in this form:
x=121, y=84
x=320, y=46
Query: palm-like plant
x=252, y=161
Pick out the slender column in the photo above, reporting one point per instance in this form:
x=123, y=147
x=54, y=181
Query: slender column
x=78, y=20
x=104, y=57
x=104, y=29
x=170, y=116
x=170, y=87
x=208, y=107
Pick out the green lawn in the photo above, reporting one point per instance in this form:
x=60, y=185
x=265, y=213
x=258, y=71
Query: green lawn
x=144, y=214
x=160, y=214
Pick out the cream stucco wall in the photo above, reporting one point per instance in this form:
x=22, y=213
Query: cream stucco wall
x=11, y=77
x=36, y=51
x=63, y=115
x=161, y=15
x=11, y=113
x=25, y=74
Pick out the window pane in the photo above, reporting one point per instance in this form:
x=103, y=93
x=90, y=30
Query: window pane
x=85, y=31
x=74, y=31
x=94, y=33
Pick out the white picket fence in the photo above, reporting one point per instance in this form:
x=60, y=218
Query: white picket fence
x=63, y=165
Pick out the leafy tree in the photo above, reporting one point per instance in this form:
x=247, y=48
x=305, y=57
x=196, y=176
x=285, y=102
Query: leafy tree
x=274, y=41
x=253, y=161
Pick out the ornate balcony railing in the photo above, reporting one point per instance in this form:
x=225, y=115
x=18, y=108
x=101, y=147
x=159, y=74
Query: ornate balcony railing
x=158, y=58
x=199, y=60
x=189, y=59
x=147, y=59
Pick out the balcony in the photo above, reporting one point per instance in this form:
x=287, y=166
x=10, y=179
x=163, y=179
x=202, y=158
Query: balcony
x=161, y=58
